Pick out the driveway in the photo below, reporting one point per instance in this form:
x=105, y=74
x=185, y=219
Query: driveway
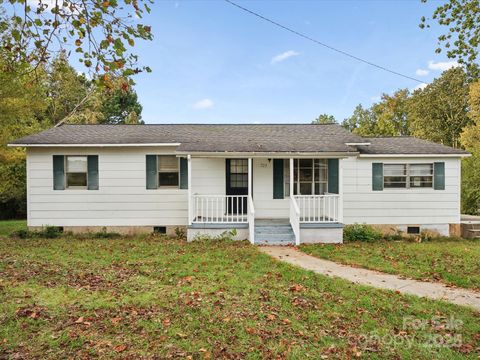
x=436, y=291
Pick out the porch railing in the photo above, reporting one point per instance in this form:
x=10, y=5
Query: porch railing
x=219, y=209
x=295, y=219
x=318, y=208
x=251, y=220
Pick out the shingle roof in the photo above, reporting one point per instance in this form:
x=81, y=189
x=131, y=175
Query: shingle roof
x=208, y=138
x=406, y=145
x=236, y=138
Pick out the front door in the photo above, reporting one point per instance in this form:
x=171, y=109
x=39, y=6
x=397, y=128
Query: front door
x=237, y=184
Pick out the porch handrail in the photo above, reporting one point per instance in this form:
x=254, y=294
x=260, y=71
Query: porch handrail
x=229, y=209
x=251, y=220
x=318, y=208
x=295, y=219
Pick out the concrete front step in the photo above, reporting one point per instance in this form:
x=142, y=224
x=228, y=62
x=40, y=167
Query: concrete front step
x=271, y=232
x=283, y=229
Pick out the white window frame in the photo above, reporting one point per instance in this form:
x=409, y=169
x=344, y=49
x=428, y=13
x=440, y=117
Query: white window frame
x=408, y=176
x=286, y=176
x=159, y=186
x=67, y=187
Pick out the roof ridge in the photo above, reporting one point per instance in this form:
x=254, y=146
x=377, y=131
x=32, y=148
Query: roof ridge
x=219, y=124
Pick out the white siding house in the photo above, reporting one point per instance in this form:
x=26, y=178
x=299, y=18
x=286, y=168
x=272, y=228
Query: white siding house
x=273, y=183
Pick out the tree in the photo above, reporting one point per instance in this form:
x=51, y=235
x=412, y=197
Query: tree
x=21, y=100
x=71, y=96
x=462, y=39
x=324, y=119
x=101, y=32
x=121, y=106
x=362, y=122
x=439, y=112
x=471, y=166
x=391, y=114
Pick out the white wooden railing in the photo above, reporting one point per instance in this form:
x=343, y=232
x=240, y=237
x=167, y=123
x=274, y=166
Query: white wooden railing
x=295, y=219
x=251, y=220
x=219, y=209
x=318, y=208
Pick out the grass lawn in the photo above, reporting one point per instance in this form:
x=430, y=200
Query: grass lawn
x=164, y=298
x=9, y=226
x=450, y=261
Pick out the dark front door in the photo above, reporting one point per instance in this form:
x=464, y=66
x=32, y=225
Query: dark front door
x=237, y=184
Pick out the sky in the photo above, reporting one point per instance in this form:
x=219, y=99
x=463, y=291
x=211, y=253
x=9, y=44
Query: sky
x=214, y=63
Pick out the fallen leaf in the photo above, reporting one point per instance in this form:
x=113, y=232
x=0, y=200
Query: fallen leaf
x=296, y=288
x=115, y=320
x=120, y=348
x=271, y=316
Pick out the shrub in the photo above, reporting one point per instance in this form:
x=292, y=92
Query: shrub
x=21, y=234
x=361, y=232
x=180, y=233
x=104, y=234
x=50, y=232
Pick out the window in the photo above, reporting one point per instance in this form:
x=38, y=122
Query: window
x=167, y=171
x=421, y=175
x=407, y=175
x=395, y=176
x=310, y=176
x=238, y=173
x=76, y=172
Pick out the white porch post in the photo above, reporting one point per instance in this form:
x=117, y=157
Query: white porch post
x=291, y=177
x=250, y=177
x=340, y=190
x=189, y=185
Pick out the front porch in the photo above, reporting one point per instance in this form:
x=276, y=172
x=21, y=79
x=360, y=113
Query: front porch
x=267, y=200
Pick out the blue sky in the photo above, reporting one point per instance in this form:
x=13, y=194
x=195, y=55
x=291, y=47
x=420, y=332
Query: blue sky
x=213, y=63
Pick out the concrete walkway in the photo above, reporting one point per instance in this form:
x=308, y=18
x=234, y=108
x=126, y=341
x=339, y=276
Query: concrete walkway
x=436, y=291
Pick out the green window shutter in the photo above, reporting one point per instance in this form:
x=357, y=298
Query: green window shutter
x=58, y=172
x=183, y=173
x=333, y=176
x=377, y=176
x=278, y=179
x=439, y=176
x=92, y=176
x=151, y=171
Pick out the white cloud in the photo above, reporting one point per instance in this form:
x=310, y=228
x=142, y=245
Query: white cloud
x=203, y=104
x=422, y=72
x=284, y=56
x=442, y=65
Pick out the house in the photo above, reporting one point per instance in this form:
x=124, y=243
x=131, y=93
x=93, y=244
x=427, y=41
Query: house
x=272, y=183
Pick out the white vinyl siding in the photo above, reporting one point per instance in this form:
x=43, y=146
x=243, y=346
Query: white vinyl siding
x=265, y=205
x=399, y=205
x=208, y=176
x=122, y=198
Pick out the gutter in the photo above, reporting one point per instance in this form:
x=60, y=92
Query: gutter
x=414, y=155
x=93, y=145
x=273, y=155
